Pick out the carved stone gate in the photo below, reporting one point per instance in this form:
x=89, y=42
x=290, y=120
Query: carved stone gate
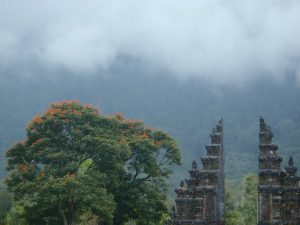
x=200, y=199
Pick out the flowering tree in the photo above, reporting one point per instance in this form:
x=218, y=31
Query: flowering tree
x=75, y=160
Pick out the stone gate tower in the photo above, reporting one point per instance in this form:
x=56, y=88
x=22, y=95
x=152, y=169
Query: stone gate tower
x=200, y=199
x=278, y=190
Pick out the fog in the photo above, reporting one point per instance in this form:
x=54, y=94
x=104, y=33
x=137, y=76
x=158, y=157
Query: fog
x=132, y=56
x=222, y=41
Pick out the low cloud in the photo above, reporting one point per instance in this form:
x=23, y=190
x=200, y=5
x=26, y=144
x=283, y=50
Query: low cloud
x=223, y=40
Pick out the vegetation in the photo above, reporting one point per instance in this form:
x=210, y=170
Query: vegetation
x=76, y=165
x=241, y=207
x=187, y=110
x=88, y=218
x=241, y=202
x=6, y=203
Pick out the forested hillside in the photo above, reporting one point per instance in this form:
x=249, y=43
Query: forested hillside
x=105, y=106
x=187, y=109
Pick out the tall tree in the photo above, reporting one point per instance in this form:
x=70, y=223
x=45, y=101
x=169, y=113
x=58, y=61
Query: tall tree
x=75, y=160
x=241, y=202
x=248, y=205
x=45, y=169
x=233, y=216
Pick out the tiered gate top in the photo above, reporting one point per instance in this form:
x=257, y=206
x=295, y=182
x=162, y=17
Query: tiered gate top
x=200, y=199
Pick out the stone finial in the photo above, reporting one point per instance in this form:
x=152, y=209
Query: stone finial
x=194, y=165
x=291, y=169
x=182, y=184
x=221, y=121
x=219, y=126
x=265, y=132
x=291, y=161
x=261, y=120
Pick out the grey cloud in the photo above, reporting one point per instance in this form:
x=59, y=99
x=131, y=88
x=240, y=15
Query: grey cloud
x=222, y=41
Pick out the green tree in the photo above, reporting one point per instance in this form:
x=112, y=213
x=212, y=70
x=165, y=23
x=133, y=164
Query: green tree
x=6, y=203
x=142, y=160
x=45, y=169
x=87, y=218
x=241, y=202
x=75, y=160
x=248, y=205
x=15, y=216
x=233, y=216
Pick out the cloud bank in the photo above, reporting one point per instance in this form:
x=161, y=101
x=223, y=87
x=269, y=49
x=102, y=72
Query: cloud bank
x=222, y=40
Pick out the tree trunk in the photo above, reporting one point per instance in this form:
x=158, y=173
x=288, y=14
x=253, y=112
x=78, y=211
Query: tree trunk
x=64, y=217
x=71, y=213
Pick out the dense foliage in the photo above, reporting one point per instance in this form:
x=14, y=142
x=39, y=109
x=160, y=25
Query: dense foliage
x=5, y=203
x=76, y=161
x=241, y=206
x=241, y=202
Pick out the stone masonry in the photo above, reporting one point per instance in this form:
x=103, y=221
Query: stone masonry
x=200, y=199
x=278, y=189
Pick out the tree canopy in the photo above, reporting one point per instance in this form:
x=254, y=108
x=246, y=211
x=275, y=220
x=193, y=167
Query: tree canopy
x=75, y=160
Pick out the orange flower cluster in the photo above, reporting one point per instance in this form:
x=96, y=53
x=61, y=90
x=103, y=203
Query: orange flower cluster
x=37, y=141
x=143, y=136
x=23, y=168
x=76, y=112
x=55, y=112
x=61, y=109
x=37, y=119
x=67, y=103
x=88, y=106
x=62, y=112
x=71, y=103
x=157, y=143
x=52, y=112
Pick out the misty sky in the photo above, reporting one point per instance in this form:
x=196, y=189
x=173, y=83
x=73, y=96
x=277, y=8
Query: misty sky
x=221, y=40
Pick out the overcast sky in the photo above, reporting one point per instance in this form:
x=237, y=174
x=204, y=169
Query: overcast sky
x=219, y=40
